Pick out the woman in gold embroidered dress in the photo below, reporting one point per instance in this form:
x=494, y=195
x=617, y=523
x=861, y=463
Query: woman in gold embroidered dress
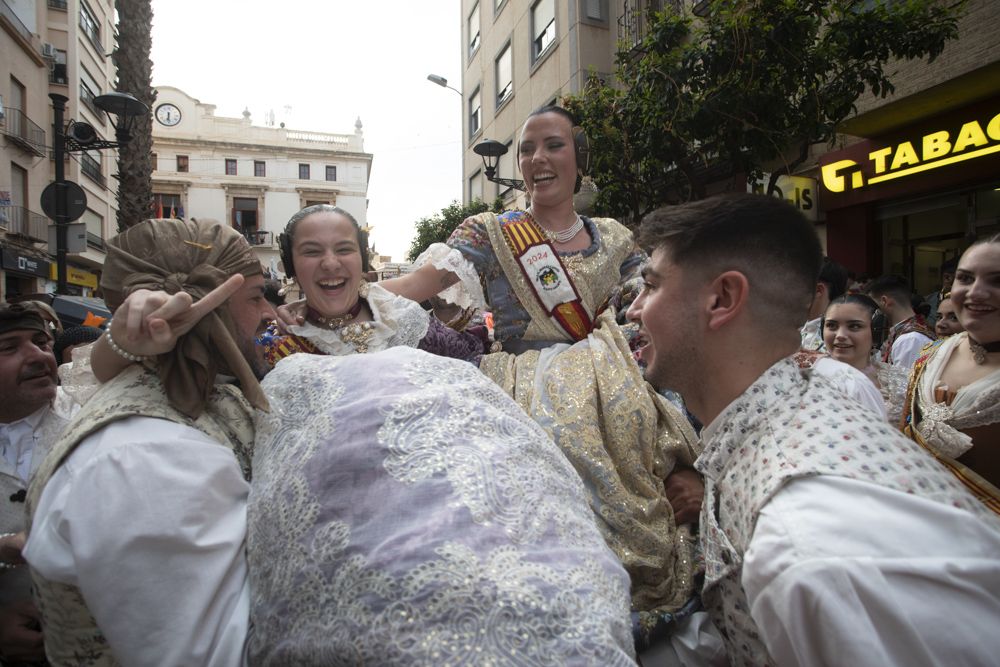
x=568, y=364
x=953, y=401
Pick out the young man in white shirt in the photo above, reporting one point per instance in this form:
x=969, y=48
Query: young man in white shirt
x=829, y=537
x=909, y=332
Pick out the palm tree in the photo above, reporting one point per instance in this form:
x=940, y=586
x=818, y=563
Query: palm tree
x=135, y=72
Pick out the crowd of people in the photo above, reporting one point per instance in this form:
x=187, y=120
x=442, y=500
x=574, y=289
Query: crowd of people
x=351, y=480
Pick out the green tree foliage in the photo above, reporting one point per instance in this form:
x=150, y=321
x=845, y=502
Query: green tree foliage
x=748, y=88
x=135, y=72
x=438, y=227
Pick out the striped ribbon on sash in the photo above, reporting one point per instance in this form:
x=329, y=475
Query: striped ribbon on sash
x=544, y=271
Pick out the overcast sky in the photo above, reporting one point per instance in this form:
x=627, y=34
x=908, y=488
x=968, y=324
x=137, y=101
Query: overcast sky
x=331, y=62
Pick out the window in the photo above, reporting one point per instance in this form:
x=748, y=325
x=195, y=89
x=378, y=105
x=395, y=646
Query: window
x=89, y=90
x=475, y=114
x=498, y=5
x=154, y=161
x=303, y=172
x=182, y=163
x=244, y=217
x=594, y=11
x=543, y=27
x=90, y=27
x=58, y=72
x=502, y=70
x=230, y=166
x=259, y=168
x=90, y=165
x=168, y=206
x=95, y=228
x=331, y=172
x=474, y=30
x=476, y=186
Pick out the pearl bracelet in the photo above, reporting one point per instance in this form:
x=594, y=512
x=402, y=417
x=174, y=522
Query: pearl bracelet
x=119, y=351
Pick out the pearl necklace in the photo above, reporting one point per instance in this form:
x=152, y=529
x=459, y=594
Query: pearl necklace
x=566, y=235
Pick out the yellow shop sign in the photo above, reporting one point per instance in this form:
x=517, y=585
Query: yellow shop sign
x=931, y=151
x=75, y=276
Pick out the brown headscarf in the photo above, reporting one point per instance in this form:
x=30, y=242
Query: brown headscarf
x=194, y=257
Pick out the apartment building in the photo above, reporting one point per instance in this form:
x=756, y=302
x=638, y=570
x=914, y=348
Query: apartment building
x=518, y=55
x=912, y=179
x=252, y=176
x=52, y=46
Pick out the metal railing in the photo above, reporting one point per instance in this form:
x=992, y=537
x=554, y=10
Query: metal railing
x=259, y=238
x=87, y=97
x=19, y=128
x=92, y=30
x=633, y=24
x=24, y=222
x=91, y=168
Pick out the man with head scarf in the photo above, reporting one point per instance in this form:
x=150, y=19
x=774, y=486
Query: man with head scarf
x=137, y=517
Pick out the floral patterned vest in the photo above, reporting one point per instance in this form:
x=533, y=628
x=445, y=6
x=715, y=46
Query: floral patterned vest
x=71, y=633
x=788, y=425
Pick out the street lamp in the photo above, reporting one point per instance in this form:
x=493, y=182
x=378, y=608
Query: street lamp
x=121, y=109
x=491, y=150
x=443, y=82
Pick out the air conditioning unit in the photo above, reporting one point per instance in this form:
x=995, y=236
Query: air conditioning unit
x=48, y=50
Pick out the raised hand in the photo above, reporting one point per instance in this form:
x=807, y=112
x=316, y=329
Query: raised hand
x=149, y=323
x=291, y=314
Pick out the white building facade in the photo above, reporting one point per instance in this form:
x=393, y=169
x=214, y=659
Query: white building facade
x=252, y=177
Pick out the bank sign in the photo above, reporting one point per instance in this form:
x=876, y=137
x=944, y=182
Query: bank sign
x=869, y=164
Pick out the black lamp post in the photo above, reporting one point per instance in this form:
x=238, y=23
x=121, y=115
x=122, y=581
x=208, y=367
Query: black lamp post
x=491, y=150
x=121, y=109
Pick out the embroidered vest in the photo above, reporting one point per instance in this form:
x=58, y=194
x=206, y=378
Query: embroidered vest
x=780, y=437
x=71, y=633
x=915, y=324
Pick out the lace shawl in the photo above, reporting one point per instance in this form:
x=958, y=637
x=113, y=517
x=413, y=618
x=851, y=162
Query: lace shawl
x=405, y=511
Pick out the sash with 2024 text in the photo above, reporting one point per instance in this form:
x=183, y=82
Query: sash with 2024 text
x=546, y=274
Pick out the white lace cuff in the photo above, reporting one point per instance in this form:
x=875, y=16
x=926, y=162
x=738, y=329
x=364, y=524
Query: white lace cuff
x=77, y=378
x=468, y=291
x=940, y=436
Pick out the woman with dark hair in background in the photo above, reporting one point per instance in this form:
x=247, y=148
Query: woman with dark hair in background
x=848, y=335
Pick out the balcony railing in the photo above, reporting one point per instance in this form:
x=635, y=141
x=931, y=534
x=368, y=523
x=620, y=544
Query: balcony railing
x=259, y=238
x=22, y=131
x=87, y=97
x=633, y=24
x=23, y=222
x=91, y=168
x=57, y=4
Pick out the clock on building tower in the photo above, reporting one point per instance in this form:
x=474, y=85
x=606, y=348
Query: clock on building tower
x=168, y=115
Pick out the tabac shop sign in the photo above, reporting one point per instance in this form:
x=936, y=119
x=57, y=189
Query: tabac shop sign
x=934, y=150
